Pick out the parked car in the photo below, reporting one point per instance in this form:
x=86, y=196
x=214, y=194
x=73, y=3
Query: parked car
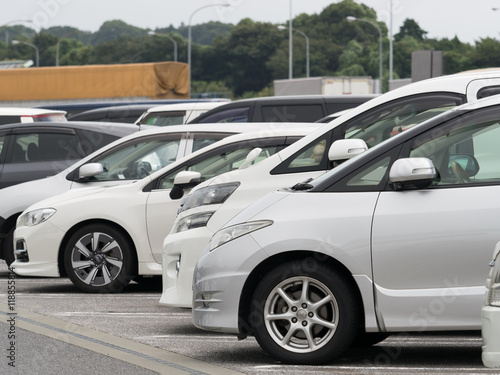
x=397, y=239
x=29, y=151
x=304, y=108
x=123, y=161
x=212, y=204
x=491, y=314
x=103, y=238
x=175, y=114
x=73, y=108
x=121, y=113
x=11, y=115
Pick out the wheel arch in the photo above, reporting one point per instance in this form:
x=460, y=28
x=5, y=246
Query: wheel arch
x=244, y=328
x=73, y=229
x=5, y=226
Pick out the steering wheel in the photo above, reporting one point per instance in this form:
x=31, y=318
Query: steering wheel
x=459, y=172
x=140, y=170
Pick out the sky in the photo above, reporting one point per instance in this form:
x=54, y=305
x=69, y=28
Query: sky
x=469, y=20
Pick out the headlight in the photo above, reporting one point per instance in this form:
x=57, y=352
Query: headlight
x=36, y=217
x=493, y=283
x=193, y=221
x=235, y=231
x=215, y=194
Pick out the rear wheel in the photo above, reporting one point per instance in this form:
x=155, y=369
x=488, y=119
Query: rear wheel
x=99, y=258
x=304, y=313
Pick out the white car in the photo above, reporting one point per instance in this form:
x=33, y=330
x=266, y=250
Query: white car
x=10, y=115
x=125, y=160
x=102, y=238
x=176, y=114
x=397, y=239
x=491, y=314
x=212, y=204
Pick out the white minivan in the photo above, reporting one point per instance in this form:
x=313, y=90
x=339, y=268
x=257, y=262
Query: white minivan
x=397, y=239
x=212, y=204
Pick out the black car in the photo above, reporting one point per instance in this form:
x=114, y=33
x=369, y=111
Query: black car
x=305, y=108
x=29, y=151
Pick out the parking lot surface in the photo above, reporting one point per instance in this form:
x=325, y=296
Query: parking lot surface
x=59, y=329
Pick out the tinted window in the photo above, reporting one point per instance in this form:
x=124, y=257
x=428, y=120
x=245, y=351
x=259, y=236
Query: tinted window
x=32, y=147
x=91, y=141
x=292, y=113
x=228, y=115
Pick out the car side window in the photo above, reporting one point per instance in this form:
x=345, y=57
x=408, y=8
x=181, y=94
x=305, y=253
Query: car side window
x=138, y=159
x=34, y=147
x=91, y=141
x=218, y=163
x=389, y=120
x=464, y=151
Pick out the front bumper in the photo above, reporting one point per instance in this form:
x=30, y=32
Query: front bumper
x=219, y=278
x=491, y=336
x=180, y=254
x=37, y=249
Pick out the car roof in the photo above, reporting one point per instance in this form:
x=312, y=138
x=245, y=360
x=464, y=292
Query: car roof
x=186, y=106
x=26, y=111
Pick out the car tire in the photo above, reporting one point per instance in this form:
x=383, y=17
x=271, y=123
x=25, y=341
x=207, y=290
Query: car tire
x=98, y=258
x=310, y=332
x=8, y=248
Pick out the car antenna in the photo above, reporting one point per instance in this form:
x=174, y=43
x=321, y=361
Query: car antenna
x=195, y=104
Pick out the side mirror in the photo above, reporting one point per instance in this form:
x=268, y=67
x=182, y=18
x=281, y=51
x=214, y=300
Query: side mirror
x=183, y=180
x=90, y=170
x=252, y=155
x=343, y=149
x=412, y=173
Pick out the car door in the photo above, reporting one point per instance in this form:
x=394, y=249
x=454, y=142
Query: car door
x=161, y=209
x=431, y=247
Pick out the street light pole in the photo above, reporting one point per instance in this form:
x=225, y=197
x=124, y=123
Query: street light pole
x=31, y=45
x=351, y=19
x=189, y=36
x=171, y=39
x=282, y=27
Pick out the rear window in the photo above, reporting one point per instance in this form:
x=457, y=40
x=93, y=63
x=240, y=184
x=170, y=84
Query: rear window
x=9, y=119
x=166, y=118
x=292, y=113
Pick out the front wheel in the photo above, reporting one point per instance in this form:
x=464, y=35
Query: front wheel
x=98, y=258
x=304, y=313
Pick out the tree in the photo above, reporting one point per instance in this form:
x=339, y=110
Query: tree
x=410, y=28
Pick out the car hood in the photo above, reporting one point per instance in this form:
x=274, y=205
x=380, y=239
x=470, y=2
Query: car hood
x=257, y=208
x=68, y=195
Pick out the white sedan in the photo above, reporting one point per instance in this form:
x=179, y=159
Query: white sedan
x=102, y=238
